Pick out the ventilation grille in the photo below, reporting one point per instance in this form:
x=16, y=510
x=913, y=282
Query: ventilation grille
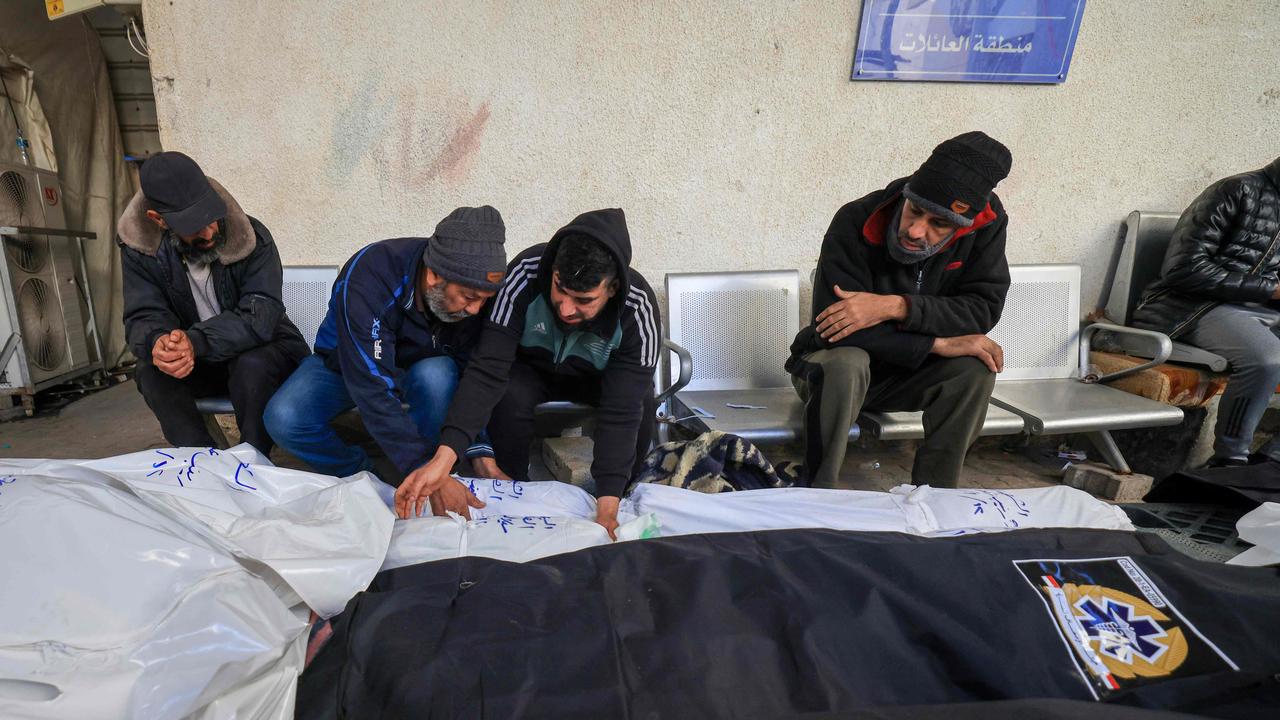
x=28, y=252
x=19, y=200
x=1028, y=331
x=736, y=335
x=41, y=324
x=306, y=302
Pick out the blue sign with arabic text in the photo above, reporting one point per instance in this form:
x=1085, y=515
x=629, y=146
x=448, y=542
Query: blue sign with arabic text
x=1001, y=41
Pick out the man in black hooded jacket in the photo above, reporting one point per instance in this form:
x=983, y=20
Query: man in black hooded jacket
x=572, y=321
x=1219, y=289
x=910, y=279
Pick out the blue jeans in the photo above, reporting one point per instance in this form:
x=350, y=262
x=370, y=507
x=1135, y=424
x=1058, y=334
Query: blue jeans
x=299, y=414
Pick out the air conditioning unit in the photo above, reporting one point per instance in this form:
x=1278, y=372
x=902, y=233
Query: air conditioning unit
x=44, y=336
x=62, y=8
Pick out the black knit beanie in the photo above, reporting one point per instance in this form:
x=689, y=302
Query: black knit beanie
x=468, y=249
x=957, y=179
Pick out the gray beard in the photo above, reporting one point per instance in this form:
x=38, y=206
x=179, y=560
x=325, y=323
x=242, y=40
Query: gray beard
x=435, y=303
x=893, y=241
x=194, y=255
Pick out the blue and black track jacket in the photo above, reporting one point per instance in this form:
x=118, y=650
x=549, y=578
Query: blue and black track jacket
x=374, y=330
x=619, y=349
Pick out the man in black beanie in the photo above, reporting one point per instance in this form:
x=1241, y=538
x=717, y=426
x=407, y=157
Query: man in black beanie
x=402, y=321
x=202, y=302
x=910, y=279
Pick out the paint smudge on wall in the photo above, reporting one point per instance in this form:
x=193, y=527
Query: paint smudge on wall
x=411, y=142
x=455, y=158
x=358, y=129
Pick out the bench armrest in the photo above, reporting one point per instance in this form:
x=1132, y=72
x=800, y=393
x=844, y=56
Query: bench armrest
x=685, y=374
x=1158, y=339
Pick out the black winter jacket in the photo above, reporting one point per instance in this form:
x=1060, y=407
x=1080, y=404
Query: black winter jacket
x=247, y=277
x=1225, y=248
x=618, y=350
x=958, y=291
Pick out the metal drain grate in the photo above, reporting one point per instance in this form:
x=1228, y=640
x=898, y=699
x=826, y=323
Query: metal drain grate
x=1208, y=531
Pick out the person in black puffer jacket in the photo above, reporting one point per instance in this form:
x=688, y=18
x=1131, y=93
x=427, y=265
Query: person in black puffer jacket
x=1218, y=290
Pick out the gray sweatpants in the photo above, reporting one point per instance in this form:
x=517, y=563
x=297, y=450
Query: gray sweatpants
x=836, y=384
x=1247, y=337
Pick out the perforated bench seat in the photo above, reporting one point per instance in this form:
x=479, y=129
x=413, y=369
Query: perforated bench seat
x=1144, y=237
x=910, y=425
x=1069, y=406
x=739, y=325
x=780, y=420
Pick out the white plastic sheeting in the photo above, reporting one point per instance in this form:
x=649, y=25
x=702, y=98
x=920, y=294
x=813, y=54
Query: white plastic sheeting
x=324, y=537
x=917, y=510
x=1260, y=526
x=526, y=520
x=518, y=538
x=520, y=521
x=160, y=584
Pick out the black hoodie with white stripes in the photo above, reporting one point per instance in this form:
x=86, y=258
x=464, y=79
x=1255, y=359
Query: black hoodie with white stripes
x=618, y=349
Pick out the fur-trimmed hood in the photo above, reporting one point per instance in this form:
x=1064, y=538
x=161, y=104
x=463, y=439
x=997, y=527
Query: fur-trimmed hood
x=137, y=231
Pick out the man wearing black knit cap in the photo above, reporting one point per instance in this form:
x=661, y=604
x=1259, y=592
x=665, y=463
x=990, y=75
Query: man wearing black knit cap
x=910, y=279
x=402, y=322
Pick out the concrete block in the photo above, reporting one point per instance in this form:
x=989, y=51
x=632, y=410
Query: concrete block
x=1103, y=482
x=223, y=430
x=569, y=460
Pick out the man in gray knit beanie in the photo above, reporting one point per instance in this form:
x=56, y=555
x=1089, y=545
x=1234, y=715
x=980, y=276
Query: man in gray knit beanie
x=403, y=318
x=468, y=248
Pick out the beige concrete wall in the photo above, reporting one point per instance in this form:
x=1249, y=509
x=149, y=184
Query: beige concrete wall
x=729, y=131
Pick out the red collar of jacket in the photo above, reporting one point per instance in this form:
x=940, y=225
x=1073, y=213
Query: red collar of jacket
x=873, y=229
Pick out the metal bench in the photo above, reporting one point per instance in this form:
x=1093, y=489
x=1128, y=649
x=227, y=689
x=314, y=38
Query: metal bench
x=1143, y=239
x=1046, y=379
x=738, y=327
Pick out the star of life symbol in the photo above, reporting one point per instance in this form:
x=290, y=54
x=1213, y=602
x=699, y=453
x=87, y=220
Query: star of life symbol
x=1119, y=632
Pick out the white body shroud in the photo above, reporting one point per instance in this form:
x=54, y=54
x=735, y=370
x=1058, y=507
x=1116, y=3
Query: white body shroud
x=166, y=584
x=527, y=520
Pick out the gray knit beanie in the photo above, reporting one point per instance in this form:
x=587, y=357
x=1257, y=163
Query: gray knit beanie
x=467, y=248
